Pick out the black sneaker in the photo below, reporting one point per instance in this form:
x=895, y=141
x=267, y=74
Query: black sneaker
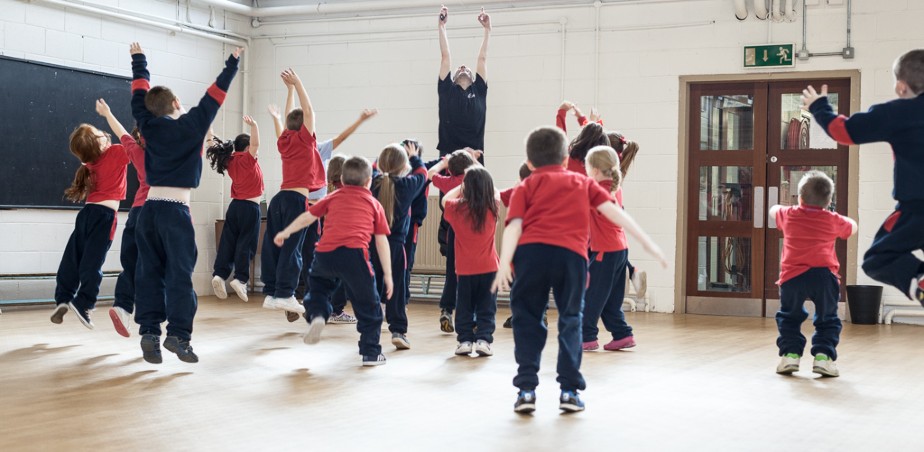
x=526, y=402
x=150, y=347
x=57, y=316
x=181, y=348
x=373, y=360
x=292, y=316
x=509, y=322
x=82, y=314
x=446, y=321
x=570, y=402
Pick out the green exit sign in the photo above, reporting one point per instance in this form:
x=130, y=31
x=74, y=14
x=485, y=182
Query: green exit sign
x=776, y=55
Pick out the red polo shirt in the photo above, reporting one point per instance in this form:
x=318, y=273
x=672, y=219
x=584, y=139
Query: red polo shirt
x=136, y=156
x=108, y=175
x=476, y=252
x=505, y=195
x=809, y=234
x=351, y=217
x=555, y=204
x=446, y=183
x=576, y=166
x=604, y=235
x=246, y=176
x=301, y=162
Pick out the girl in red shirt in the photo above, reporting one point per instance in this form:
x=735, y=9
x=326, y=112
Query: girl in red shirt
x=101, y=181
x=238, y=243
x=471, y=210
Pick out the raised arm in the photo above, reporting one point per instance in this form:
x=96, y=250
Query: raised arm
x=277, y=119
x=455, y=193
x=363, y=117
x=254, y=135
x=877, y=124
x=103, y=110
x=445, y=59
x=141, y=83
x=303, y=99
x=202, y=115
x=620, y=218
x=438, y=168
x=301, y=222
x=290, y=96
x=481, y=68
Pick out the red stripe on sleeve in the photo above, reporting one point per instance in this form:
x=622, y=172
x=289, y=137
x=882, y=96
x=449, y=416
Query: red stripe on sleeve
x=217, y=93
x=140, y=83
x=890, y=222
x=421, y=170
x=838, y=130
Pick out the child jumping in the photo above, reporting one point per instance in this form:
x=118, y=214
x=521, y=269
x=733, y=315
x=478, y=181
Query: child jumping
x=352, y=217
x=809, y=270
x=898, y=122
x=241, y=231
x=165, y=234
x=101, y=181
x=546, y=239
x=471, y=210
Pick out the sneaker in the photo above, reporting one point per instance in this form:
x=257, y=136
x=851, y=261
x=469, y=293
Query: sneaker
x=150, y=348
x=181, y=348
x=483, y=348
x=83, y=315
x=57, y=316
x=789, y=364
x=400, y=341
x=509, y=322
x=269, y=302
x=590, y=346
x=315, y=326
x=917, y=289
x=464, y=348
x=289, y=304
x=446, y=321
x=342, y=319
x=121, y=320
x=570, y=402
x=240, y=288
x=373, y=360
x=218, y=286
x=526, y=402
x=825, y=366
x=640, y=283
x=291, y=316
x=620, y=344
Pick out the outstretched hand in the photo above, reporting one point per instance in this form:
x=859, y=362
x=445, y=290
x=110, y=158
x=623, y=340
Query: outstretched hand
x=289, y=77
x=485, y=20
x=102, y=108
x=444, y=16
x=411, y=148
x=237, y=52
x=135, y=49
x=273, y=110
x=280, y=239
x=566, y=105
x=368, y=113
x=249, y=121
x=594, y=115
x=809, y=95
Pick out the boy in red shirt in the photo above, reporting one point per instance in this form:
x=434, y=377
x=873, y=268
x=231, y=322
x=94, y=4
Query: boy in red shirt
x=808, y=270
x=351, y=217
x=548, y=228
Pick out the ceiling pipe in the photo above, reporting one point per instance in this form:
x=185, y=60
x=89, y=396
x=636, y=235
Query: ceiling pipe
x=760, y=9
x=789, y=10
x=775, y=11
x=741, y=9
x=323, y=9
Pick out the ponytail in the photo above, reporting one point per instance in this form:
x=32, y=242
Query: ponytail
x=387, y=194
x=84, y=143
x=605, y=160
x=627, y=156
x=82, y=185
x=219, y=155
x=392, y=163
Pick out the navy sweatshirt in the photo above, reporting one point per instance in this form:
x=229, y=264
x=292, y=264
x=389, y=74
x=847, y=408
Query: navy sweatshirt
x=899, y=122
x=173, y=147
x=406, y=189
x=419, y=206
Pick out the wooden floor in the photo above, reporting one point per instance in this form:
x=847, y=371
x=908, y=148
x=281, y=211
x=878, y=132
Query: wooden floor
x=693, y=383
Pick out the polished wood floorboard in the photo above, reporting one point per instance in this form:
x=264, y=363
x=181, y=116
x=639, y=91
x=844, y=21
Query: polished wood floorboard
x=693, y=383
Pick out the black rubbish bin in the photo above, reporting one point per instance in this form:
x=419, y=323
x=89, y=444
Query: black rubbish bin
x=863, y=302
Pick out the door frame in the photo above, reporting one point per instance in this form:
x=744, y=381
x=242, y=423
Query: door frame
x=683, y=195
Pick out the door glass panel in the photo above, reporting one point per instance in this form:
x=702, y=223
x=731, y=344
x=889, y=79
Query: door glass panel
x=726, y=193
x=724, y=264
x=798, y=129
x=789, y=183
x=727, y=123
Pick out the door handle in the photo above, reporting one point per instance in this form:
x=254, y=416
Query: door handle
x=758, y=207
x=773, y=198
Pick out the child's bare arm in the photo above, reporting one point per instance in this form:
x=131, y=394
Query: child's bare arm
x=103, y=110
x=512, y=234
x=436, y=169
x=853, y=225
x=384, y=252
x=303, y=99
x=303, y=221
x=620, y=218
x=254, y=135
x=363, y=117
x=455, y=193
x=277, y=119
x=775, y=210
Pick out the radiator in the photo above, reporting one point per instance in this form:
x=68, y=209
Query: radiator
x=428, y=258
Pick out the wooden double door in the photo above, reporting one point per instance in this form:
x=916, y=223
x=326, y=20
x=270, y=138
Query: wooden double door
x=750, y=143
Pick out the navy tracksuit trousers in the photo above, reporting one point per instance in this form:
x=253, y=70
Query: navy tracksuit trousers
x=81, y=270
x=166, y=258
x=238, y=242
x=539, y=268
x=476, y=303
x=281, y=266
x=125, y=285
x=396, y=306
x=823, y=288
x=312, y=236
x=348, y=268
x=890, y=259
x=605, y=293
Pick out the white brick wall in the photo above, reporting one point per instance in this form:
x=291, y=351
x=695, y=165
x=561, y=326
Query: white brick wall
x=31, y=241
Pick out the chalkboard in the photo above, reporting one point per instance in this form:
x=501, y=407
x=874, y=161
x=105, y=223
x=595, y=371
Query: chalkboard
x=40, y=105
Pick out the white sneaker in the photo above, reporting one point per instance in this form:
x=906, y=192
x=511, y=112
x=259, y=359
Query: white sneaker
x=825, y=366
x=464, y=348
x=121, y=320
x=218, y=286
x=483, y=348
x=57, y=315
x=315, y=326
x=270, y=303
x=789, y=364
x=342, y=319
x=289, y=304
x=240, y=288
x=640, y=283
